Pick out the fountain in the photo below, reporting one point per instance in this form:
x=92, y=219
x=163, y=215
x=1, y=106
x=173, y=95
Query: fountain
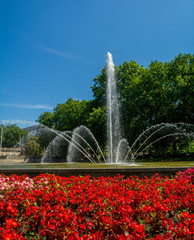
x=78, y=140
x=82, y=143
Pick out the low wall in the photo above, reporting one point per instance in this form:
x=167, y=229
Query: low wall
x=9, y=152
x=6, y=149
x=97, y=172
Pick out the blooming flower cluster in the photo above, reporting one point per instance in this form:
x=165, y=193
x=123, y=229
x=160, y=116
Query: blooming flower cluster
x=84, y=208
x=189, y=174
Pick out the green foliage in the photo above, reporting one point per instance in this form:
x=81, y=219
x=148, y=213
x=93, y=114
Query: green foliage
x=66, y=116
x=46, y=119
x=69, y=115
x=12, y=134
x=99, y=89
x=97, y=124
x=33, y=148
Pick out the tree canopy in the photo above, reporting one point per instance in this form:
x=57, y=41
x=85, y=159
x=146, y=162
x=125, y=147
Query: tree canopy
x=11, y=135
x=67, y=116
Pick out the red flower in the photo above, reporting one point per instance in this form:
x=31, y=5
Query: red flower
x=11, y=223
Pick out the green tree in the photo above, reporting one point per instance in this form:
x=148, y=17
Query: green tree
x=32, y=148
x=97, y=124
x=98, y=89
x=46, y=119
x=67, y=116
x=12, y=134
x=181, y=87
x=70, y=114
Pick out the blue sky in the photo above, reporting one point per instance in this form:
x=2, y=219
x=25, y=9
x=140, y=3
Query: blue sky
x=51, y=50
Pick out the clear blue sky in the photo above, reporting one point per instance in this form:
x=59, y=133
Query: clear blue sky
x=51, y=50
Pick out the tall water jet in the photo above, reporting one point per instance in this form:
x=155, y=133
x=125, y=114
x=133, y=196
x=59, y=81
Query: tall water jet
x=113, y=112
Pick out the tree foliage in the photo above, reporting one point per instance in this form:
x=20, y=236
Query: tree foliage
x=46, y=119
x=33, y=148
x=97, y=123
x=11, y=135
x=66, y=116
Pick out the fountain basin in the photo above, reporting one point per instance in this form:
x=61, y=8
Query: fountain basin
x=97, y=170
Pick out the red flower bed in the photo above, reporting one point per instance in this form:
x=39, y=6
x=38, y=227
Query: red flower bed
x=53, y=207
